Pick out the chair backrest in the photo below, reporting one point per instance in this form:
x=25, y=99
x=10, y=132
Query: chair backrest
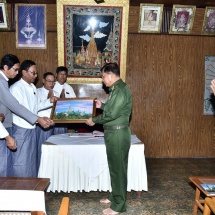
x=64, y=207
x=209, y=206
x=22, y=200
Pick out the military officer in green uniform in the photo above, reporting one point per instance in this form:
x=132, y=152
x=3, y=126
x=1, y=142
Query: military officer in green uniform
x=117, y=135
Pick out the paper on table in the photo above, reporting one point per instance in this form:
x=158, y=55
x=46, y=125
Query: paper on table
x=93, y=134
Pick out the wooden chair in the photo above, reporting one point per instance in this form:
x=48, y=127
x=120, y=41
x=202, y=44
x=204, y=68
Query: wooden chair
x=64, y=207
x=209, y=206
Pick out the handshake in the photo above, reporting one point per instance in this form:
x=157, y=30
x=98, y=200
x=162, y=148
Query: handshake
x=45, y=122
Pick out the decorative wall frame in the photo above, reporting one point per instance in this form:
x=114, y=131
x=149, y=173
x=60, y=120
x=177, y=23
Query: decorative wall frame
x=90, y=35
x=182, y=19
x=150, y=18
x=4, y=23
x=208, y=93
x=76, y=110
x=31, y=26
x=208, y=27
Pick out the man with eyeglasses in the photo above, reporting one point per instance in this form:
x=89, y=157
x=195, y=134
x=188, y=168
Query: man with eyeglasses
x=65, y=91
x=24, y=163
x=45, y=93
x=9, y=68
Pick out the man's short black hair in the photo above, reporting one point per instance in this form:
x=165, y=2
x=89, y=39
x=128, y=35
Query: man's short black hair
x=46, y=74
x=61, y=68
x=111, y=67
x=9, y=60
x=26, y=64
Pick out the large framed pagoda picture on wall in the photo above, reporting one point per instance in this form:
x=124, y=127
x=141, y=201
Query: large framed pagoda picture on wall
x=91, y=35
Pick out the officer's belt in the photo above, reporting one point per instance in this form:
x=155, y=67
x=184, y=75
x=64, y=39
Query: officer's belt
x=115, y=127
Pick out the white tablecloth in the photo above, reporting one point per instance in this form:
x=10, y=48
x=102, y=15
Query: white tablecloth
x=80, y=163
x=22, y=200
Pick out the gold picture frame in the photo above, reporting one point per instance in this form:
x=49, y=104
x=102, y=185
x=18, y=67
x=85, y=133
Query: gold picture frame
x=72, y=18
x=150, y=18
x=4, y=22
x=208, y=27
x=73, y=110
x=182, y=19
x=31, y=26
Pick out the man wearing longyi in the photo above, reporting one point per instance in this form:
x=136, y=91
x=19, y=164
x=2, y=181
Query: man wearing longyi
x=9, y=69
x=117, y=135
x=24, y=162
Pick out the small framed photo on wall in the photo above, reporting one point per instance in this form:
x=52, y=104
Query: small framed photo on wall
x=182, y=19
x=4, y=25
x=208, y=27
x=30, y=26
x=150, y=18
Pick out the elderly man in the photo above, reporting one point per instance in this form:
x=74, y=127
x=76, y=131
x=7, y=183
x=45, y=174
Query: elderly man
x=8, y=70
x=25, y=157
x=117, y=135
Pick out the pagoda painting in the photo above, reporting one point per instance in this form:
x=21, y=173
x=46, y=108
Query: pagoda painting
x=92, y=39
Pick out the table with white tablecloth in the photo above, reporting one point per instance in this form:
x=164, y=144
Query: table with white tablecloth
x=79, y=163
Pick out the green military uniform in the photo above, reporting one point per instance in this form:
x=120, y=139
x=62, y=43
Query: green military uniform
x=117, y=135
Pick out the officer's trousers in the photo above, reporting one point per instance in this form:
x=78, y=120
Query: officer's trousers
x=117, y=147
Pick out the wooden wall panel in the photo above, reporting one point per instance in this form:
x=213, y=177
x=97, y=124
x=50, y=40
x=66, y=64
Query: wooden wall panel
x=166, y=77
x=45, y=59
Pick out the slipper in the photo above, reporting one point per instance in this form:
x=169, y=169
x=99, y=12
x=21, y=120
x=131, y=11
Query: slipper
x=105, y=201
x=109, y=211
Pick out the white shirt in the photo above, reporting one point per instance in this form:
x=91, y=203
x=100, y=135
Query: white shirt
x=3, y=131
x=27, y=95
x=69, y=92
x=42, y=95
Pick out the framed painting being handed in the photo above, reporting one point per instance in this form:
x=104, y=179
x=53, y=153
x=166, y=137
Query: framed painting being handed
x=76, y=110
x=150, y=19
x=182, y=19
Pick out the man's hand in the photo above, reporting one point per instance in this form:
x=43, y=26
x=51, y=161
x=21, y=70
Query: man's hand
x=45, y=122
x=50, y=94
x=98, y=103
x=53, y=99
x=2, y=117
x=62, y=95
x=90, y=122
x=10, y=142
x=213, y=85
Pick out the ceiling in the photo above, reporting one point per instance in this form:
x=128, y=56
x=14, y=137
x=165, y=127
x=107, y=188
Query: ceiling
x=167, y=3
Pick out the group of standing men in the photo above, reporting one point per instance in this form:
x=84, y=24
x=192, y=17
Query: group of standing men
x=25, y=112
x=23, y=106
